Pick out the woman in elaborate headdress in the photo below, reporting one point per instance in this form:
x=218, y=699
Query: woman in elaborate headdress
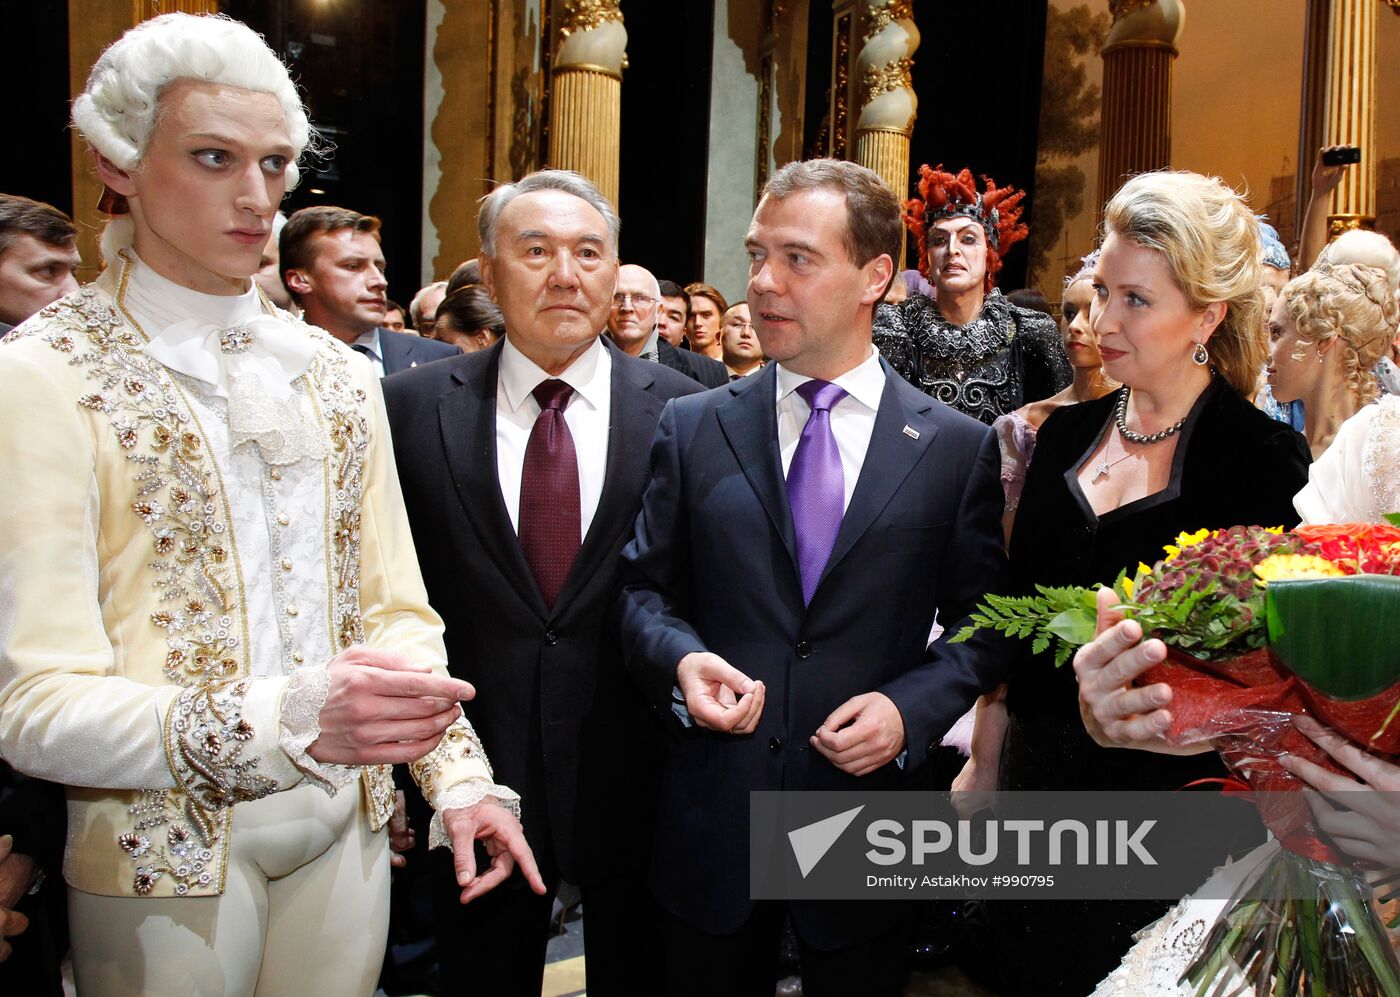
x=967, y=345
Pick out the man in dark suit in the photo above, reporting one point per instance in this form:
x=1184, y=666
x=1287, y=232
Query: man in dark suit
x=334, y=269
x=800, y=531
x=522, y=468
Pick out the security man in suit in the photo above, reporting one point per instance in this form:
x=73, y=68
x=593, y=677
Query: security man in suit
x=334, y=269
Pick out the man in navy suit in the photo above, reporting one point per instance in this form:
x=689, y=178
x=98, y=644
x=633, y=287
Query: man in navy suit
x=334, y=269
x=522, y=468
x=800, y=531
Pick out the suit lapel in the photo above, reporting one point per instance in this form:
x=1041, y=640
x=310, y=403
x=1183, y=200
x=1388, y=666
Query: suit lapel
x=891, y=456
x=750, y=424
x=467, y=419
x=632, y=417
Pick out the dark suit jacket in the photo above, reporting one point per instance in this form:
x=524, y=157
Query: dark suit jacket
x=712, y=567
x=402, y=350
x=561, y=723
x=711, y=373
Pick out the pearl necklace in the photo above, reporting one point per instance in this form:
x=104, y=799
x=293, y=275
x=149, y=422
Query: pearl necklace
x=1144, y=440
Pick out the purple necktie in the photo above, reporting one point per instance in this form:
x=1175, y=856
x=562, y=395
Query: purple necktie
x=549, y=493
x=816, y=485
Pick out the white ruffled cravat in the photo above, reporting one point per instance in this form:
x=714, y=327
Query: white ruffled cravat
x=252, y=365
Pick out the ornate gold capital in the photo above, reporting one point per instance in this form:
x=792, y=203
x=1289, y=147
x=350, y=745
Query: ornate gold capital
x=586, y=15
x=1394, y=5
x=1122, y=8
x=1337, y=224
x=890, y=76
x=883, y=13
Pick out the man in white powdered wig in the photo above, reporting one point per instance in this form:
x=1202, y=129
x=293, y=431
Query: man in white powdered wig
x=213, y=629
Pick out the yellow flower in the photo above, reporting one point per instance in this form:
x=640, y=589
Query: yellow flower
x=1143, y=569
x=1275, y=530
x=1128, y=585
x=1283, y=567
x=1184, y=540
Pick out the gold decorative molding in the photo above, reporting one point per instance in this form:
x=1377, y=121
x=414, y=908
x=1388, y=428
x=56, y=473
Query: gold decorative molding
x=1122, y=8
x=765, y=125
x=1394, y=5
x=1337, y=224
x=774, y=11
x=890, y=76
x=840, y=113
x=588, y=15
x=883, y=13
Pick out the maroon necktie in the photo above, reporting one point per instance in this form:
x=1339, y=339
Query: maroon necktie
x=549, y=502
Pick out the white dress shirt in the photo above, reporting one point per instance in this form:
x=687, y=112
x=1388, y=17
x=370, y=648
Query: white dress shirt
x=370, y=340
x=852, y=418
x=586, y=414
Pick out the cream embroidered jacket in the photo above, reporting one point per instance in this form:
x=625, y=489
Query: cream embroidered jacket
x=125, y=667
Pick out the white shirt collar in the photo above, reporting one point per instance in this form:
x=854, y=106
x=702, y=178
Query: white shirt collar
x=159, y=302
x=587, y=375
x=371, y=339
x=864, y=382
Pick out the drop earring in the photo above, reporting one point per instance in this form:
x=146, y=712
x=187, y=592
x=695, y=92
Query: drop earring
x=1200, y=356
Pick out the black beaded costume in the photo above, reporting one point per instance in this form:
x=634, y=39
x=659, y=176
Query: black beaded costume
x=999, y=361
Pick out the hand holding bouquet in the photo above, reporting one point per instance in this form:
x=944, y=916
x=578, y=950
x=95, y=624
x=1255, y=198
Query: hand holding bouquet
x=1264, y=627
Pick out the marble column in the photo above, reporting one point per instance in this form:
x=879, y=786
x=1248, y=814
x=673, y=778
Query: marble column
x=1136, y=133
x=585, y=119
x=1350, y=118
x=889, y=105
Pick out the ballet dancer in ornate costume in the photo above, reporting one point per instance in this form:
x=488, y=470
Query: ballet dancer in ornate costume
x=213, y=629
x=967, y=345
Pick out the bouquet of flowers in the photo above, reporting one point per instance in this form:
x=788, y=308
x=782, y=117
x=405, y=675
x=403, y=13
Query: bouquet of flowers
x=1262, y=626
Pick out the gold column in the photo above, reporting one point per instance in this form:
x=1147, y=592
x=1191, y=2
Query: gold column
x=889, y=105
x=92, y=26
x=585, y=108
x=1351, y=111
x=1136, y=132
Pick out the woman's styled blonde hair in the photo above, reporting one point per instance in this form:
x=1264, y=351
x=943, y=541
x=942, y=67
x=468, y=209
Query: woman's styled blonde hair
x=1352, y=304
x=1210, y=241
x=117, y=110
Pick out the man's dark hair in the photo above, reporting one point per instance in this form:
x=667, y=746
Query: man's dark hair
x=390, y=305
x=24, y=216
x=874, y=225
x=670, y=289
x=466, y=273
x=306, y=224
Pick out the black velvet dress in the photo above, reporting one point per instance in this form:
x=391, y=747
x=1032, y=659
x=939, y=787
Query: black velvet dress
x=999, y=361
x=1233, y=465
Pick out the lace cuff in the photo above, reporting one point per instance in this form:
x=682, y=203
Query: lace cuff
x=302, y=701
x=469, y=794
x=214, y=749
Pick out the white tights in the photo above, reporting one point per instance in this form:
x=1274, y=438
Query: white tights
x=305, y=911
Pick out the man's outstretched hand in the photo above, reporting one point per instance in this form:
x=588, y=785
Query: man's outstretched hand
x=384, y=709
x=500, y=834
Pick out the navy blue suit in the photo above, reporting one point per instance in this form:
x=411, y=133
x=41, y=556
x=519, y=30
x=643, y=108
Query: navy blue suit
x=402, y=350
x=712, y=568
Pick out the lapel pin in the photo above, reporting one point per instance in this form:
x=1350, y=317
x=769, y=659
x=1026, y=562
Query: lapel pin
x=414, y=364
x=911, y=432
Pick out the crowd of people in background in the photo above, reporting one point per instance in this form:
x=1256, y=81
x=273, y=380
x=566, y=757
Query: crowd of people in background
x=568, y=430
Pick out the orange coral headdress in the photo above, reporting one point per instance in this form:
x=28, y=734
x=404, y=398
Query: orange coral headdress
x=944, y=195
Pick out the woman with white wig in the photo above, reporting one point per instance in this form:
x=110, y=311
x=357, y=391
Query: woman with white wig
x=214, y=632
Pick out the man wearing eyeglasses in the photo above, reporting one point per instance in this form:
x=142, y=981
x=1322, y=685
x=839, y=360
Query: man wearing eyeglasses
x=636, y=305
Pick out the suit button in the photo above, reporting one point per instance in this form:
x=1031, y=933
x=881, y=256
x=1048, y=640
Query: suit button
x=804, y=649
x=775, y=744
x=551, y=638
